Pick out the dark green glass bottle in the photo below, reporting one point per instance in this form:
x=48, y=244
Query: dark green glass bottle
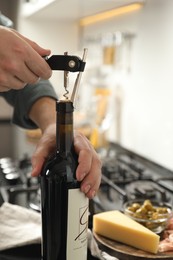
x=64, y=207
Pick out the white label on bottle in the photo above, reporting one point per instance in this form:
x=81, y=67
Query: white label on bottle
x=77, y=225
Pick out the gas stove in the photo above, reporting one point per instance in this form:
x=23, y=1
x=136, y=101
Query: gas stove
x=16, y=184
x=125, y=176
x=128, y=176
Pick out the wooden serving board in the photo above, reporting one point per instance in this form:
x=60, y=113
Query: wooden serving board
x=125, y=252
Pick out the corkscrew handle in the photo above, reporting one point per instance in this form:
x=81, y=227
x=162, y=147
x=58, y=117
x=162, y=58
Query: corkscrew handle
x=66, y=63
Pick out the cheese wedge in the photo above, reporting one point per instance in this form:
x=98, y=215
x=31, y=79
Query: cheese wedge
x=117, y=226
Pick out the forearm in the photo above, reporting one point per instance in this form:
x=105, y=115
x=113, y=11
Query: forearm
x=43, y=112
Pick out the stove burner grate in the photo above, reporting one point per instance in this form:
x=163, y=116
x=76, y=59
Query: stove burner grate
x=119, y=173
x=147, y=190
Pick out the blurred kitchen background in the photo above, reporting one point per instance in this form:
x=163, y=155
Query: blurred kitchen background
x=126, y=95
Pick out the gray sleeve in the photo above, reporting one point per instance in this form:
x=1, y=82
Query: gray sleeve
x=22, y=100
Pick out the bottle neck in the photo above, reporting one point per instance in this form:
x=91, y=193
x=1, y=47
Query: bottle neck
x=64, y=130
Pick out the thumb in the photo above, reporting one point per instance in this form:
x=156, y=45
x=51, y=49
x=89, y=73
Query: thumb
x=37, y=164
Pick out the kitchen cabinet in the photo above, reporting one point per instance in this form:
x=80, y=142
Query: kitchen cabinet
x=68, y=9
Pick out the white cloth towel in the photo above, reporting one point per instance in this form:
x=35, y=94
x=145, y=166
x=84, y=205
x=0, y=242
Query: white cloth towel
x=94, y=249
x=19, y=226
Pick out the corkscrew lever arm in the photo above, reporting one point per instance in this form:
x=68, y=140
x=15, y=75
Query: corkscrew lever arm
x=78, y=79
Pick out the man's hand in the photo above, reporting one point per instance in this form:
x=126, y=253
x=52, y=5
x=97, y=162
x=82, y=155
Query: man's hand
x=21, y=60
x=89, y=168
x=43, y=113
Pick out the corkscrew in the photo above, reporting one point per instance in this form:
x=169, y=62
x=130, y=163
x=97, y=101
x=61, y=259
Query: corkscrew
x=68, y=63
x=66, y=81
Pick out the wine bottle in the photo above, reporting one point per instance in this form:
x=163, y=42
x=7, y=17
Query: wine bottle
x=64, y=207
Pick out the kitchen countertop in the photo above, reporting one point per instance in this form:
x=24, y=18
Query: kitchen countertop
x=31, y=252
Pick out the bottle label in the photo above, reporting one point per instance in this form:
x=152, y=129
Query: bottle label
x=77, y=225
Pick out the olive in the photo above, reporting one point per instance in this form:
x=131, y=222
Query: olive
x=136, y=206
x=162, y=210
x=148, y=205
